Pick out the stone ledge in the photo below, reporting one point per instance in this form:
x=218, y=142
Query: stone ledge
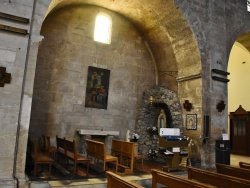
x=96, y=132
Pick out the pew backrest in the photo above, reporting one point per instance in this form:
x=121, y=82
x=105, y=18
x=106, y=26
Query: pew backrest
x=116, y=181
x=68, y=151
x=124, y=151
x=244, y=165
x=123, y=148
x=233, y=171
x=96, y=149
x=60, y=144
x=174, y=181
x=216, y=179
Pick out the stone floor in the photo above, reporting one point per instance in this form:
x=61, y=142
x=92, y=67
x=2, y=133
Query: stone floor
x=98, y=180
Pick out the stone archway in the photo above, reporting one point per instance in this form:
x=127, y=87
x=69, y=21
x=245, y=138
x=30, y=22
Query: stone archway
x=148, y=115
x=166, y=40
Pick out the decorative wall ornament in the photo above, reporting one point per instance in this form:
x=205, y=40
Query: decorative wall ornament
x=187, y=105
x=220, y=106
x=4, y=77
x=151, y=100
x=191, y=121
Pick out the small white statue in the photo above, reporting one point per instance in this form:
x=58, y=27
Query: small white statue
x=127, y=136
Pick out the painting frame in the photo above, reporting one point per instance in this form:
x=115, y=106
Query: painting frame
x=191, y=121
x=97, y=88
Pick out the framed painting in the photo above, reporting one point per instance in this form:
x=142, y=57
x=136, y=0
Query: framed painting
x=191, y=121
x=97, y=89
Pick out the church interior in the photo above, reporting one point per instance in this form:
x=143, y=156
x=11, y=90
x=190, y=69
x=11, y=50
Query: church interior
x=111, y=89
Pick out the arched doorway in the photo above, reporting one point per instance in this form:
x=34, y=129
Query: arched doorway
x=238, y=93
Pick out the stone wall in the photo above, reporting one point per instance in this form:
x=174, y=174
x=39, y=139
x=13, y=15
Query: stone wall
x=215, y=26
x=67, y=50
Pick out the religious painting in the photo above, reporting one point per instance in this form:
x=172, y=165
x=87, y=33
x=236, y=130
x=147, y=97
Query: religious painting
x=191, y=121
x=97, y=88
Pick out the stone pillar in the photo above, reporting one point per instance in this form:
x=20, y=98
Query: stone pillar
x=25, y=111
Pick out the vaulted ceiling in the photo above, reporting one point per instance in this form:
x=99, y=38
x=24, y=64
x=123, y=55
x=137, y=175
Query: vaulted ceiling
x=162, y=24
x=164, y=27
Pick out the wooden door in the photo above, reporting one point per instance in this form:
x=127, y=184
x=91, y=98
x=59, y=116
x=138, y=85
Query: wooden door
x=240, y=131
x=239, y=144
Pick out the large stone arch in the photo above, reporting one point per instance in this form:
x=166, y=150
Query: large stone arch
x=169, y=37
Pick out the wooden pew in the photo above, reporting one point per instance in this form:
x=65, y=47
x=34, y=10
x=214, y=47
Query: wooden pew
x=174, y=181
x=233, y=171
x=71, y=154
x=125, y=153
x=216, y=179
x=60, y=145
x=38, y=156
x=66, y=150
x=51, y=150
x=116, y=181
x=98, y=151
x=244, y=165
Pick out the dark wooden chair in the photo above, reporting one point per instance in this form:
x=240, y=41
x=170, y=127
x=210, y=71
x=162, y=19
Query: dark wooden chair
x=71, y=154
x=39, y=157
x=60, y=151
x=51, y=150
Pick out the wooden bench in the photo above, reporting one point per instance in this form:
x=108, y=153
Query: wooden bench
x=71, y=154
x=51, y=150
x=216, y=179
x=233, y=171
x=38, y=156
x=244, y=165
x=98, y=151
x=140, y=158
x=174, y=181
x=60, y=145
x=114, y=180
x=126, y=155
x=66, y=150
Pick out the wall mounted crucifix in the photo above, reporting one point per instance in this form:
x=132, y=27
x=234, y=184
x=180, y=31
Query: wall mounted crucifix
x=4, y=77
